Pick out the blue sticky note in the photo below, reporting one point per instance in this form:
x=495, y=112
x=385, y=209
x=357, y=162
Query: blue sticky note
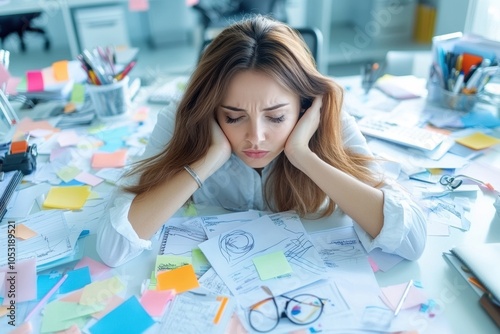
x=112, y=145
x=71, y=183
x=44, y=283
x=77, y=279
x=115, y=134
x=480, y=117
x=120, y=320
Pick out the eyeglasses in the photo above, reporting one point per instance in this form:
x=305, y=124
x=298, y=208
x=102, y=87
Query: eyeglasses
x=453, y=182
x=301, y=309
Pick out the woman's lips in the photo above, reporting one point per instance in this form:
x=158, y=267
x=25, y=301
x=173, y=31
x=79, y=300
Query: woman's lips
x=255, y=154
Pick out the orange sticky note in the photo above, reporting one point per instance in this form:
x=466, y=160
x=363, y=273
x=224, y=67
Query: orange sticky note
x=35, y=81
x=109, y=160
x=478, y=141
x=60, y=69
x=181, y=279
x=71, y=197
x=23, y=232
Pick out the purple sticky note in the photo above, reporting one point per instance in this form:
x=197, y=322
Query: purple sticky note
x=120, y=320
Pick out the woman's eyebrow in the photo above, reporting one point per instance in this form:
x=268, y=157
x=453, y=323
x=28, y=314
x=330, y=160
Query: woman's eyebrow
x=277, y=106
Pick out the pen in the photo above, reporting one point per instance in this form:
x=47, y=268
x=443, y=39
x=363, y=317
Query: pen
x=403, y=298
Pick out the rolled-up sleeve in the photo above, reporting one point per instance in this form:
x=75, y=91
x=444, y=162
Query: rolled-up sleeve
x=404, y=232
x=117, y=241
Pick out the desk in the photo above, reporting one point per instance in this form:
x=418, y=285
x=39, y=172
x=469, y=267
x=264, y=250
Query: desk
x=441, y=281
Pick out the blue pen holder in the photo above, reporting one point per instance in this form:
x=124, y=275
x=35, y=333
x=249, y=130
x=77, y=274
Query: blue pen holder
x=443, y=98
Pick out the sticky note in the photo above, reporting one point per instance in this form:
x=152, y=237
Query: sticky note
x=34, y=81
x=68, y=138
x=59, y=315
x=169, y=262
x=4, y=75
x=68, y=173
x=155, y=301
x=26, y=280
x=60, y=69
x=88, y=178
x=181, y=279
x=101, y=291
x=71, y=197
x=78, y=93
x=23, y=232
x=77, y=279
x=109, y=160
x=478, y=141
x=120, y=320
x=391, y=296
x=272, y=265
x=138, y=5
x=200, y=262
x=96, y=268
x=112, y=303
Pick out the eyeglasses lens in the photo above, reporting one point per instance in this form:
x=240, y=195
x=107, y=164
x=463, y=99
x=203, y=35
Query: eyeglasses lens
x=304, y=309
x=264, y=316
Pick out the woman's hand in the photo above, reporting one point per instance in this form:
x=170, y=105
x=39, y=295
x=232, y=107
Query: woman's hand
x=220, y=146
x=297, y=144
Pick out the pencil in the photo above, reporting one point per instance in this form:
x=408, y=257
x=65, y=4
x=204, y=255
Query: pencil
x=403, y=298
x=46, y=298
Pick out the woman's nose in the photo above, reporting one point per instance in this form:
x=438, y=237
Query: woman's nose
x=255, y=132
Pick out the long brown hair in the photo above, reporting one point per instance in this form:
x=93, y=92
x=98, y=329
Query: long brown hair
x=261, y=44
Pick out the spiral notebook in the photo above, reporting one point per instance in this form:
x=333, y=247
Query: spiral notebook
x=7, y=187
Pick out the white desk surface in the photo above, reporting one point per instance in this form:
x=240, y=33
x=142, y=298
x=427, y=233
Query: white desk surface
x=442, y=282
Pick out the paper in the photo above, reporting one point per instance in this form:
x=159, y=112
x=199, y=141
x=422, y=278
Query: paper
x=52, y=242
x=96, y=268
x=77, y=279
x=88, y=178
x=60, y=69
x=169, y=262
x=68, y=138
x=215, y=225
x=100, y=292
x=180, y=241
x=112, y=303
x=232, y=252
x=478, y=141
x=68, y=173
x=72, y=197
x=155, y=302
x=120, y=321
x=200, y=262
x=109, y=160
x=272, y=265
x=34, y=81
x=24, y=233
x=62, y=315
x=181, y=279
x=391, y=296
x=25, y=280
x=78, y=93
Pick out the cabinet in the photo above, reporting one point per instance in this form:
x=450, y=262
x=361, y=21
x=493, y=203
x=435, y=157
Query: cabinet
x=365, y=30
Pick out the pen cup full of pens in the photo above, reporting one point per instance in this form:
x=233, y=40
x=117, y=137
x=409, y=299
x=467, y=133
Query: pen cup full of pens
x=450, y=100
x=111, y=101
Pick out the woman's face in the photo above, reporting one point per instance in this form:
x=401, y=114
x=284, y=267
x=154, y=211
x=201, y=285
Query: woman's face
x=257, y=115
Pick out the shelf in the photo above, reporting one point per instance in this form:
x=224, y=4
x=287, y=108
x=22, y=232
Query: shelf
x=345, y=46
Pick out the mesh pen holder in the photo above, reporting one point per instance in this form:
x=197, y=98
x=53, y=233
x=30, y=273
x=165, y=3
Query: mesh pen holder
x=443, y=98
x=110, y=101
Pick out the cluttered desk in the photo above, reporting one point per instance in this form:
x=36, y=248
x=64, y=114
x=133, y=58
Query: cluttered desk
x=183, y=286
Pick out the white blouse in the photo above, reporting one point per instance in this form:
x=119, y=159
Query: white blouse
x=237, y=187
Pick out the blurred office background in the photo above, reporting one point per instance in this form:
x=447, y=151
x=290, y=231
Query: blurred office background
x=168, y=33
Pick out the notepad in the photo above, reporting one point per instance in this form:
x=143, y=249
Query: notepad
x=478, y=141
x=72, y=197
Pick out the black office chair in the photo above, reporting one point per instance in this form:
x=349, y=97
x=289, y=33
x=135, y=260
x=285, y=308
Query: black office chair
x=312, y=37
x=215, y=15
x=21, y=24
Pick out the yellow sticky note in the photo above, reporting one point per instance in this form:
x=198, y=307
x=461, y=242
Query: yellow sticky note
x=272, y=265
x=101, y=292
x=478, y=141
x=71, y=197
x=23, y=232
x=60, y=69
x=181, y=279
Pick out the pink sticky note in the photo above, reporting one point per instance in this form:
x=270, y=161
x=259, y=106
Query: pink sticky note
x=24, y=328
x=96, y=268
x=138, y=5
x=391, y=296
x=35, y=81
x=73, y=297
x=25, y=281
x=12, y=85
x=373, y=264
x=109, y=160
x=155, y=301
x=88, y=178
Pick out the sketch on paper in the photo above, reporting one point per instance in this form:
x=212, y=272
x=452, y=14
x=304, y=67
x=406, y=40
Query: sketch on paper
x=236, y=244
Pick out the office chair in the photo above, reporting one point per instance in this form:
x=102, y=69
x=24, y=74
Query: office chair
x=215, y=15
x=20, y=24
x=312, y=37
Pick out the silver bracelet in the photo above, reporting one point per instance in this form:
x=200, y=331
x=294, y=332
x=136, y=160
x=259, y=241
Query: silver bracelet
x=194, y=175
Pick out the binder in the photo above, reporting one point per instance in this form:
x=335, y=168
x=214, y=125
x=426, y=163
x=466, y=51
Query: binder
x=7, y=187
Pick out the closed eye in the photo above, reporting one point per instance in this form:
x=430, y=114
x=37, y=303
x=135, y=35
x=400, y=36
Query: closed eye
x=277, y=119
x=230, y=120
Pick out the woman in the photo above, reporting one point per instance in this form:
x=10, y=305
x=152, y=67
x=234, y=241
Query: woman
x=259, y=128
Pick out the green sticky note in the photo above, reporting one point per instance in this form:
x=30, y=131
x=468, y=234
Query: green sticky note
x=62, y=315
x=272, y=265
x=169, y=262
x=78, y=93
x=190, y=210
x=68, y=173
x=200, y=262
